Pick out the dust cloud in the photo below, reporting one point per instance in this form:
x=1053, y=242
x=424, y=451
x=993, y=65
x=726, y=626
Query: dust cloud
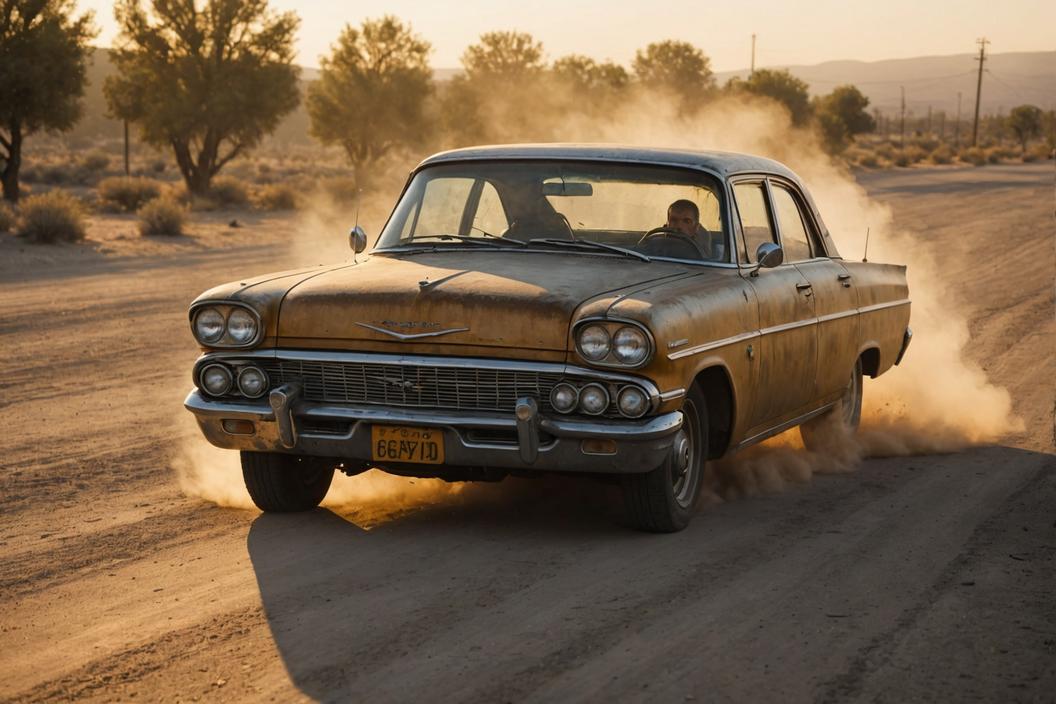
x=938, y=400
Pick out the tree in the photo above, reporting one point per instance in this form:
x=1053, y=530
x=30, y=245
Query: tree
x=207, y=81
x=1026, y=122
x=43, y=61
x=371, y=93
x=780, y=86
x=842, y=115
x=678, y=68
x=505, y=56
x=584, y=74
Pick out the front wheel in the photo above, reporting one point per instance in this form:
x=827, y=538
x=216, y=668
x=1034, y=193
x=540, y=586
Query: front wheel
x=286, y=483
x=843, y=418
x=662, y=501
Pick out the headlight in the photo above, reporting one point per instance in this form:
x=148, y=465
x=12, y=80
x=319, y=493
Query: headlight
x=209, y=325
x=241, y=326
x=632, y=402
x=594, y=342
x=593, y=399
x=216, y=379
x=630, y=345
x=252, y=382
x=563, y=397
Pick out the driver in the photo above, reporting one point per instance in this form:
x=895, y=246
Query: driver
x=684, y=216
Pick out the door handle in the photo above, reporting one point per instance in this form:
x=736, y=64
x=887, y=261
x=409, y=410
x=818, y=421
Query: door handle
x=845, y=279
x=803, y=287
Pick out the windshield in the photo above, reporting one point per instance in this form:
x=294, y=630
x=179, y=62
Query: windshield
x=568, y=207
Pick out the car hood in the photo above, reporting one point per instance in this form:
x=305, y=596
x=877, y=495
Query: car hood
x=502, y=299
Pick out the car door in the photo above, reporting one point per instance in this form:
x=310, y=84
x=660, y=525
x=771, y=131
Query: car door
x=787, y=345
x=835, y=300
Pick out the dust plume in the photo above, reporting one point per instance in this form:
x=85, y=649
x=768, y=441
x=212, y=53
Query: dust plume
x=367, y=499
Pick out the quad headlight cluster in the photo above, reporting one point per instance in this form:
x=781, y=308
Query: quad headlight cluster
x=225, y=325
x=614, y=343
x=218, y=379
x=594, y=398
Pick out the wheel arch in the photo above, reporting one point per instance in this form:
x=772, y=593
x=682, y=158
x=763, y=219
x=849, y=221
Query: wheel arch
x=715, y=384
x=870, y=356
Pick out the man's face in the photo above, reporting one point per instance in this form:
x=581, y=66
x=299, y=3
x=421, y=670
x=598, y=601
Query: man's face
x=682, y=219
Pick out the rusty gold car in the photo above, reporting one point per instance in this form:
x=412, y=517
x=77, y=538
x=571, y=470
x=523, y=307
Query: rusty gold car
x=628, y=313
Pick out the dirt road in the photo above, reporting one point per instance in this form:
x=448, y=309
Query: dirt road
x=921, y=578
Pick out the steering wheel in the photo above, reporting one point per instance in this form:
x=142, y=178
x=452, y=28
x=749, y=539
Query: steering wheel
x=665, y=231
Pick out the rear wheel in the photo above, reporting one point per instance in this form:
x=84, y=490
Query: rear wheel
x=663, y=500
x=286, y=483
x=843, y=417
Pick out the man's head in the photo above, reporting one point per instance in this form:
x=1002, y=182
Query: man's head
x=684, y=216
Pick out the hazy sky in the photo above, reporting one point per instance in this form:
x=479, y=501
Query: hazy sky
x=789, y=32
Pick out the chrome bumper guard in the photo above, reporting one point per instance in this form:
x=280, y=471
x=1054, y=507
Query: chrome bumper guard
x=285, y=423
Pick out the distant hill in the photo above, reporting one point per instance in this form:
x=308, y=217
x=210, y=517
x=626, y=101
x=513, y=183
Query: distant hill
x=1011, y=79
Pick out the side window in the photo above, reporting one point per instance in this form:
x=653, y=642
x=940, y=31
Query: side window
x=491, y=216
x=794, y=237
x=755, y=220
x=443, y=202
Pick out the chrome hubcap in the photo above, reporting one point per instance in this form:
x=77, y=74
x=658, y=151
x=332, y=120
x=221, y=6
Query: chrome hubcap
x=684, y=458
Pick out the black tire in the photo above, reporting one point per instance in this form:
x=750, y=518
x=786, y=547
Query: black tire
x=285, y=483
x=849, y=409
x=663, y=500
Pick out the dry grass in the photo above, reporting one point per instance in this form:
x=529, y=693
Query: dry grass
x=120, y=194
x=228, y=191
x=7, y=217
x=162, y=217
x=51, y=217
x=277, y=196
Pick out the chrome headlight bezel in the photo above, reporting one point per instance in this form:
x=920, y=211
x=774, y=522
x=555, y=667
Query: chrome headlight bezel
x=225, y=309
x=613, y=326
x=605, y=338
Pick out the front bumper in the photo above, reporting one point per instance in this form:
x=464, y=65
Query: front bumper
x=523, y=441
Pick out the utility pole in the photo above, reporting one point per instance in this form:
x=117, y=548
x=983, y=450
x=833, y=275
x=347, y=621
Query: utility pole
x=982, y=42
x=902, y=128
x=127, y=173
x=957, y=126
x=752, y=73
x=929, y=120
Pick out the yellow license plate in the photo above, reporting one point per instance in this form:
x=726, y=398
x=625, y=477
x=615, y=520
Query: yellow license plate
x=401, y=443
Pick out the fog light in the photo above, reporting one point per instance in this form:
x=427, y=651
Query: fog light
x=598, y=447
x=563, y=397
x=593, y=399
x=632, y=402
x=238, y=427
x=216, y=379
x=252, y=382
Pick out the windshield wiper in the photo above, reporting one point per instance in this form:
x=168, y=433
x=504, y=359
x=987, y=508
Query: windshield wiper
x=590, y=244
x=495, y=241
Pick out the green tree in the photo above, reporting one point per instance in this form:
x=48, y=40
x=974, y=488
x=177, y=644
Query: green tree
x=505, y=56
x=841, y=116
x=207, y=80
x=584, y=74
x=678, y=68
x=371, y=94
x=43, y=60
x=1026, y=122
x=780, y=86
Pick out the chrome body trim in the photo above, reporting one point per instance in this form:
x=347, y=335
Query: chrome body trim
x=672, y=394
x=881, y=306
x=410, y=336
x=777, y=429
x=708, y=346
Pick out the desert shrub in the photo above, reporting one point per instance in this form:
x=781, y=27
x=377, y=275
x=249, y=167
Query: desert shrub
x=886, y=152
x=127, y=194
x=162, y=217
x=51, y=217
x=340, y=189
x=902, y=158
x=7, y=217
x=1039, y=152
x=973, y=155
x=994, y=155
x=942, y=155
x=928, y=144
x=227, y=191
x=915, y=154
x=95, y=161
x=56, y=175
x=30, y=174
x=158, y=166
x=278, y=196
x=868, y=160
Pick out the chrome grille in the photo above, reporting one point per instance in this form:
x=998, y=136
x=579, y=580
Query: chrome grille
x=413, y=385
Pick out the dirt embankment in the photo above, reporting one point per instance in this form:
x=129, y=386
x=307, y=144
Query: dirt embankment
x=911, y=578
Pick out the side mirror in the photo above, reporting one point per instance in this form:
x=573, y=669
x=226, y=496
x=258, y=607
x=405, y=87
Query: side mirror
x=357, y=239
x=769, y=255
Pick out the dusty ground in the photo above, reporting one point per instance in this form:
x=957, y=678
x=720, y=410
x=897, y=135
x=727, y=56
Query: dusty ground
x=923, y=578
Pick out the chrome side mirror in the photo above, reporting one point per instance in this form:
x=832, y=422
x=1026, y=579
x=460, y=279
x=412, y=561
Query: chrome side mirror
x=357, y=239
x=769, y=255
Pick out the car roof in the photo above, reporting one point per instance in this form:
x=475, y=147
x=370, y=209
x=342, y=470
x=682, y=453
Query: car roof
x=719, y=163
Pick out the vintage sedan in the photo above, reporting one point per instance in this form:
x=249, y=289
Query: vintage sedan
x=625, y=312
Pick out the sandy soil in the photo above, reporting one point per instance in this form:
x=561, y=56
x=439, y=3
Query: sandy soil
x=921, y=578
